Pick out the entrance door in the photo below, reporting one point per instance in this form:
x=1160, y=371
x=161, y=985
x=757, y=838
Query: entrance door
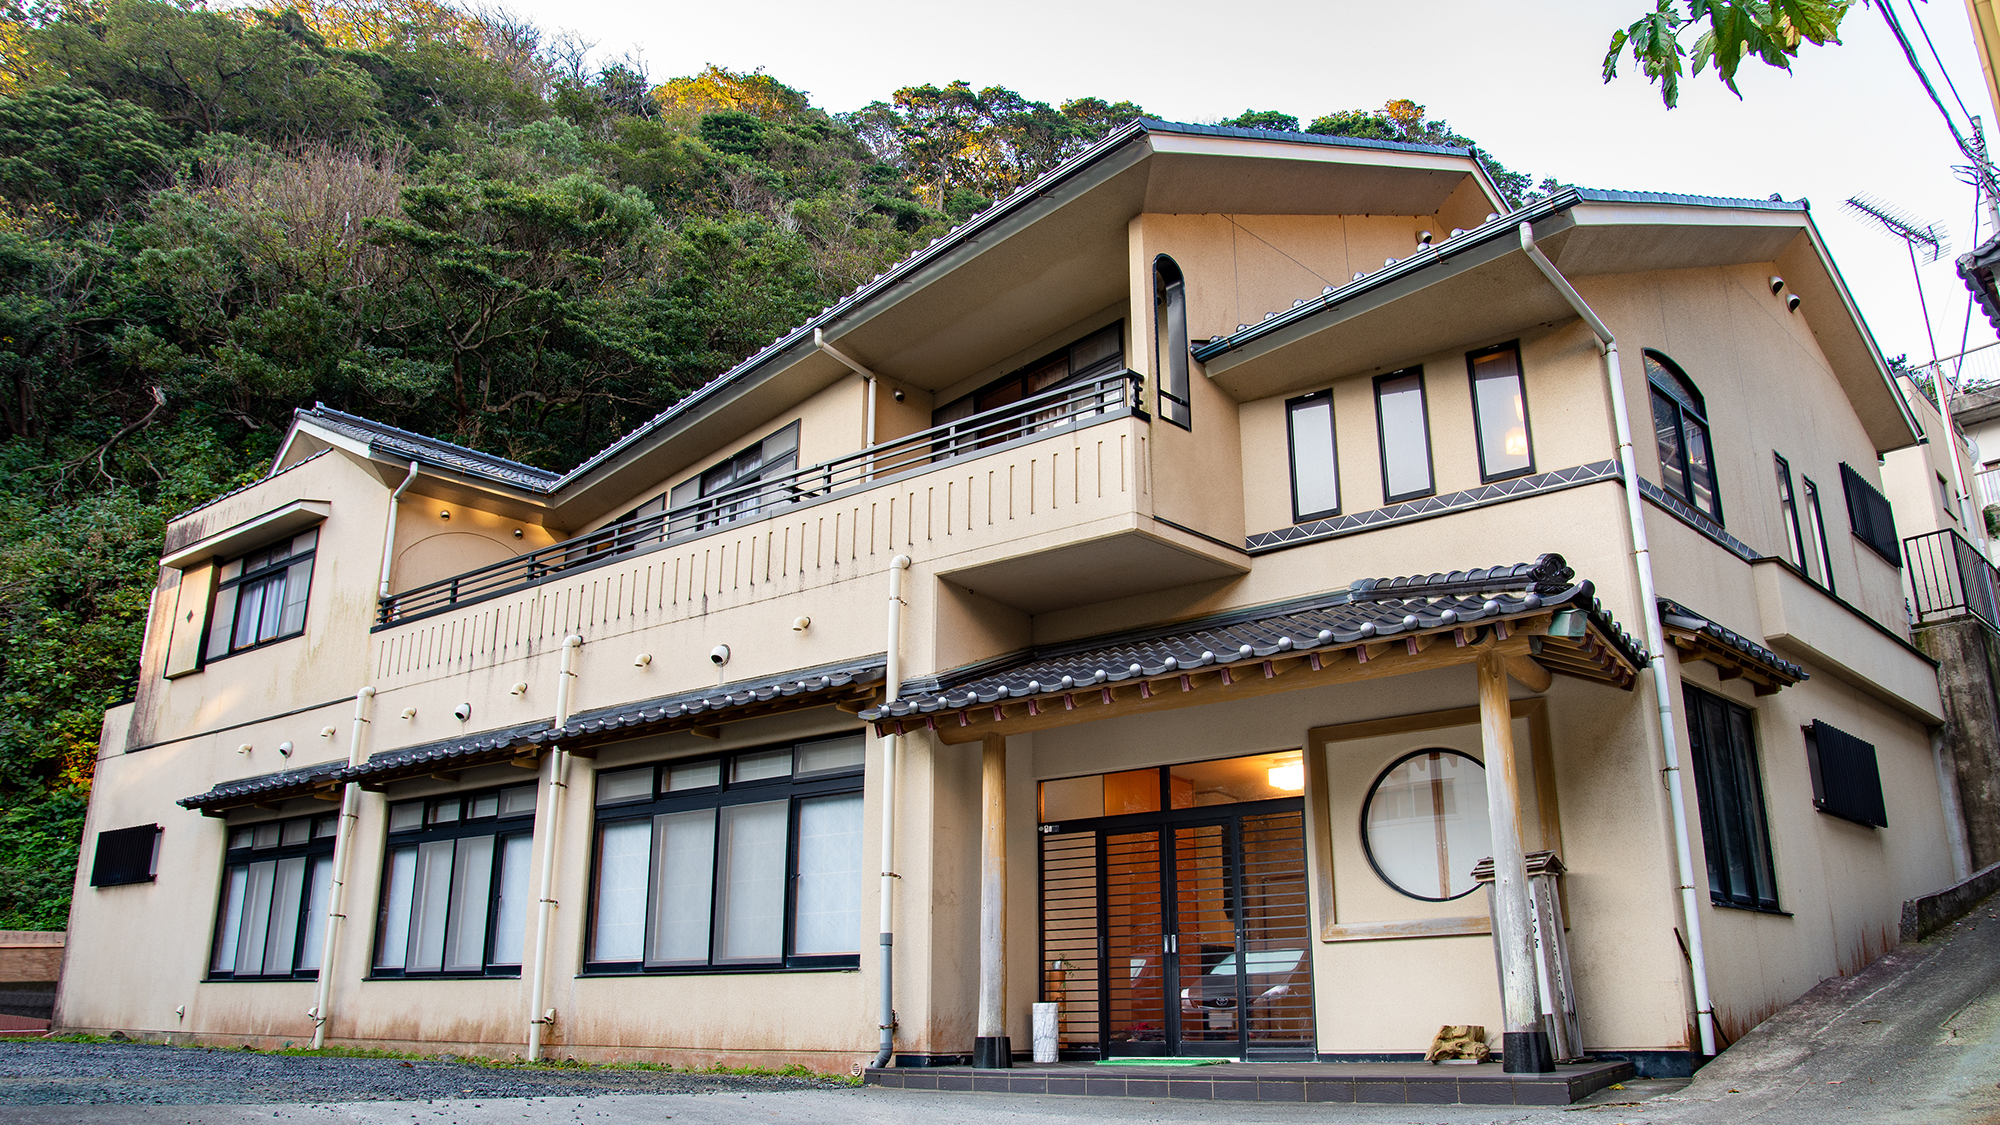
x=1180, y=931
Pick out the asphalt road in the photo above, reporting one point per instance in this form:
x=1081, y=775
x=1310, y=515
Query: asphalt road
x=1912, y=1040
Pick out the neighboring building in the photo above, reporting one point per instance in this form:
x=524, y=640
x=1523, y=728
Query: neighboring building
x=1218, y=786
x=30, y=963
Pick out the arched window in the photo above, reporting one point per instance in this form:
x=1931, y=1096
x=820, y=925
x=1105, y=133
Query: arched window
x=1680, y=424
x=1170, y=336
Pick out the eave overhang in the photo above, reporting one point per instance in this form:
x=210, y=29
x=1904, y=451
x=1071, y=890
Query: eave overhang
x=847, y=685
x=1734, y=655
x=1534, y=614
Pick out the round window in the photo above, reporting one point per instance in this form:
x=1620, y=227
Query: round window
x=1424, y=824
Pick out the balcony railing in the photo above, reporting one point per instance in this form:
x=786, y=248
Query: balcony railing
x=1950, y=578
x=1059, y=409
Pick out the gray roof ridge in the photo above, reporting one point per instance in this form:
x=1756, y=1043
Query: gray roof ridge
x=322, y=410
x=1619, y=195
x=1158, y=125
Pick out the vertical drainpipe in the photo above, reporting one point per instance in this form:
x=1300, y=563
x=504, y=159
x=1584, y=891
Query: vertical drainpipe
x=819, y=341
x=549, y=825
x=893, y=675
x=389, y=531
x=1649, y=611
x=343, y=846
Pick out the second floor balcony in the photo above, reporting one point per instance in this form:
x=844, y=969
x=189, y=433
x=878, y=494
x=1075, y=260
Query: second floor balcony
x=1043, y=500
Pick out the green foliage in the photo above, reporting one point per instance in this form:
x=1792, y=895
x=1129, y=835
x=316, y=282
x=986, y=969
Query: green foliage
x=1263, y=119
x=435, y=216
x=1726, y=32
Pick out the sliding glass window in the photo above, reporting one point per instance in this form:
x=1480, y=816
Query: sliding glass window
x=1315, y=468
x=750, y=860
x=1500, y=413
x=1788, y=512
x=275, y=882
x=1402, y=423
x=455, y=885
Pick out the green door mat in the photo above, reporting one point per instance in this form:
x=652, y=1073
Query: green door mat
x=1160, y=1062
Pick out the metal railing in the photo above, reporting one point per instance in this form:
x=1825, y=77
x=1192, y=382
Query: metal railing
x=1059, y=409
x=1950, y=578
x=1986, y=487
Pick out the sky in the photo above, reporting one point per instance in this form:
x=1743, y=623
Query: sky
x=1522, y=79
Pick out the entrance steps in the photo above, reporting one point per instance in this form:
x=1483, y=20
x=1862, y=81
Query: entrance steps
x=1400, y=1083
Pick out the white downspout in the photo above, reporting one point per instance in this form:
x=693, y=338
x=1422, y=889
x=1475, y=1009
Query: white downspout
x=343, y=842
x=1649, y=611
x=389, y=530
x=550, y=826
x=894, y=681
x=819, y=341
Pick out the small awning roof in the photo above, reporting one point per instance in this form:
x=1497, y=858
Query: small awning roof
x=847, y=682
x=1698, y=638
x=1373, y=628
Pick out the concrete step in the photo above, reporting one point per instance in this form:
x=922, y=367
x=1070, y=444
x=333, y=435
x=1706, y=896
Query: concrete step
x=1368, y=1083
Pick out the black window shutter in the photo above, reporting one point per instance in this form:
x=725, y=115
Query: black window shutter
x=1868, y=513
x=1846, y=781
x=124, y=855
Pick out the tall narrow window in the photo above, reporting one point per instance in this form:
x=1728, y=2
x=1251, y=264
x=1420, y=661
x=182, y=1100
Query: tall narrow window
x=1944, y=495
x=1402, y=423
x=1171, y=341
x=1816, y=533
x=752, y=860
x=1729, y=788
x=1788, y=513
x=1500, y=413
x=275, y=881
x=1680, y=425
x=455, y=885
x=261, y=597
x=1315, y=470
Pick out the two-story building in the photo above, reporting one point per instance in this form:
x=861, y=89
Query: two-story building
x=1020, y=630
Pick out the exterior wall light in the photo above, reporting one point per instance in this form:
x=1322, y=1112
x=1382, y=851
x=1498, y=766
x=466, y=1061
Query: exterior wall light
x=518, y=689
x=517, y=533
x=1777, y=285
x=444, y=513
x=801, y=624
x=641, y=660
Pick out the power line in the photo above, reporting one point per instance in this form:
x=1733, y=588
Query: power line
x=1942, y=69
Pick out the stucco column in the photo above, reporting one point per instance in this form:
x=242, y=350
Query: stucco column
x=991, y=1048
x=1526, y=1044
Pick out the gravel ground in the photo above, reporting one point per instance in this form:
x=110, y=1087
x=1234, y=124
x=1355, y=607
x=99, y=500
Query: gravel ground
x=38, y=1073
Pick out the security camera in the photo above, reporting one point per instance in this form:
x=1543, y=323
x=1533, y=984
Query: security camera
x=1792, y=302
x=1777, y=285
x=719, y=655
x=462, y=712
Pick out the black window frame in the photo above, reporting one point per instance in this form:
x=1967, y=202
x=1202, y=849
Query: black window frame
x=1870, y=516
x=724, y=794
x=736, y=491
x=126, y=856
x=1846, y=776
x=232, y=589
x=1292, y=407
x=1170, y=342
x=1015, y=386
x=318, y=845
x=1729, y=792
x=1382, y=441
x=1817, y=511
x=501, y=827
x=1788, y=512
x=1472, y=379
x=1670, y=386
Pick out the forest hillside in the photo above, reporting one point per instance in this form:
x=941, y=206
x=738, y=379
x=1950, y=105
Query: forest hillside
x=444, y=218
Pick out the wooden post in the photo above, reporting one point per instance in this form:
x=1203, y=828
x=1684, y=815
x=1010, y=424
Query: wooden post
x=991, y=1048
x=1525, y=1048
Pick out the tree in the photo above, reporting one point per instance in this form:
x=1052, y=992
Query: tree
x=1725, y=33
x=73, y=150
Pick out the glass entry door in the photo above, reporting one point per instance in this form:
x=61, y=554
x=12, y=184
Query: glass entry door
x=1180, y=930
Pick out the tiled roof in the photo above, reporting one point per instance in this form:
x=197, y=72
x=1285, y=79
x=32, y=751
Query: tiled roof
x=1606, y=195
x=273, y=786
x=491, y=746
x=1674, y=615
x=1366, y=610
x=1976, y=267
x=404, y=445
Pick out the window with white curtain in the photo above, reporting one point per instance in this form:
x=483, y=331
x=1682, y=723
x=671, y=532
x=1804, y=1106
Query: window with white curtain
x=275, y=881
x=455, y=885
x=261, y=597
x=750, y=860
